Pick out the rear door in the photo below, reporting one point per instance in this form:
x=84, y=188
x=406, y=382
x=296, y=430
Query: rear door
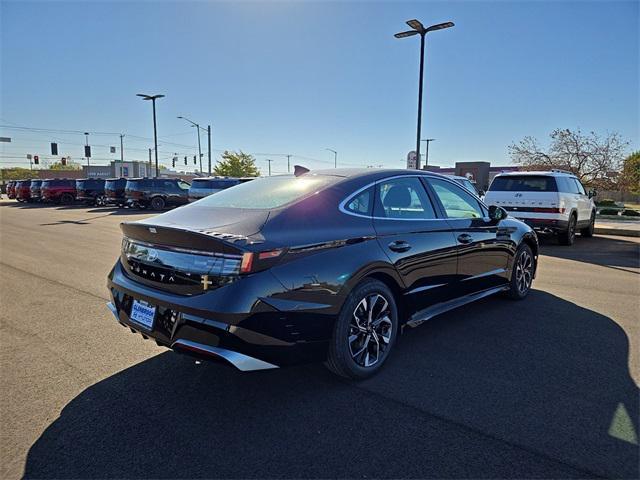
x=483, y=245
x=420, y=245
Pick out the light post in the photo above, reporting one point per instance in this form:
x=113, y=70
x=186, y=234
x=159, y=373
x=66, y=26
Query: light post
x=198, y=127
x=418, y=29
x=426, y=157
x=153, y=99
x=86, y=150
x=335, y=157
x=269, y=160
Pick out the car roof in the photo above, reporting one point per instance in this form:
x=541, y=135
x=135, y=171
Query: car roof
x=548, y=173
x=373, y=173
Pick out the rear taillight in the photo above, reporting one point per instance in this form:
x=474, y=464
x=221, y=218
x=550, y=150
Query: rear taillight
x=547, y=210
x=252, y=261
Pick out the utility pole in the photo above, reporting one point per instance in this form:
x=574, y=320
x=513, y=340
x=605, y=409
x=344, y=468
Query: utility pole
x=121, y=148
x=426, y=159
x=288, y=163
x=269, y=160
x=199, y=148
x=335, y=157
x=209, y=146
x=86, y=136
x=150, y=167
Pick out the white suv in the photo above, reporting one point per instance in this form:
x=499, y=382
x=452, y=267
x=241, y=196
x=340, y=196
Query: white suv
x=550, y=202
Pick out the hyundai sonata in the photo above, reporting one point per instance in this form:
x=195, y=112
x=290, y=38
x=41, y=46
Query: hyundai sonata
x=317, y=266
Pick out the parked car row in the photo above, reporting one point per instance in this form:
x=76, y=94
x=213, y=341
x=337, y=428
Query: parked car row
x=154, y=193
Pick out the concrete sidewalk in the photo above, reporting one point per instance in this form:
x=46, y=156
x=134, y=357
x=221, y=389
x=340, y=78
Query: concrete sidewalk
x=624, y=228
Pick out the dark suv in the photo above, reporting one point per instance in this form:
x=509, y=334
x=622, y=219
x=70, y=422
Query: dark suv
x=156, y=193
x=90, y=190
x=114, y=191
x=35, y=190
x=58, y=190
x=11, y=189
x=23, y=191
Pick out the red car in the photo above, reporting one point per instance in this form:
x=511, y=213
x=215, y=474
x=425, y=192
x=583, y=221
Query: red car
x=58, y=190
x=11, y=189
x=23, y=190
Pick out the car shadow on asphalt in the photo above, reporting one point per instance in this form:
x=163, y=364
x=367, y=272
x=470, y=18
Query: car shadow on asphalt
x=538, y=388
x=605, y=251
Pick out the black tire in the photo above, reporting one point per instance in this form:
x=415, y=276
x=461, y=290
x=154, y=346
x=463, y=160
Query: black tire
x=66, y=199
x=366, y=337
x=588, y=231
x=521, y=273
x=569, y=235
x=157, y=203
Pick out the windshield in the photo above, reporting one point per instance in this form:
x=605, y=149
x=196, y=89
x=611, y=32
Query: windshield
x=268, y=192
x=524, y=183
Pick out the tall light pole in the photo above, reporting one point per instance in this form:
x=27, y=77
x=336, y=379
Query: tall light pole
x=269, y=160
x=153, y=99
x=121, y=147
x=335, y=157
x=426, y=157
x=208, y=130
x=418, y=29
x=86, y=143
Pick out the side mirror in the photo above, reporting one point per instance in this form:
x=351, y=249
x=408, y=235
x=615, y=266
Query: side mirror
x=592, y=193
x=497, y=213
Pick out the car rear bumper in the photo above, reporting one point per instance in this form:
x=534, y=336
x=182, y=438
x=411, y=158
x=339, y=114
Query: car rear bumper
x=247, y=333
x=546, y=225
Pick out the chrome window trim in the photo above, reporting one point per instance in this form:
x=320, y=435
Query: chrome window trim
x=342, y=206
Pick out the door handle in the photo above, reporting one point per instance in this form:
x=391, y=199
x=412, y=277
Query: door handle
x=465, y=238
x=399, y=246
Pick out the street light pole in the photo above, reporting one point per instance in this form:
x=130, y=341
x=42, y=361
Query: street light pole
x=121, y=148
x=198, y=127
x=335, y=157
x=418, y=29
x=86, y=137
x=209, y=146
x=153, y=99
x=426, y=158
x=269, y=160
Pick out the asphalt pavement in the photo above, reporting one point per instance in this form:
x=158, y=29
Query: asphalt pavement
x=543, y=388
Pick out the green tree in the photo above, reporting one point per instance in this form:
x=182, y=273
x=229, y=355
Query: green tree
x=68, y=166
x=16, y=173
x=236, y=164
x=630, y=175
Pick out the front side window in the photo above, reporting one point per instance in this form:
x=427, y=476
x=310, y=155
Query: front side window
x=403, y=198
x=457, y=202
x=579, y=186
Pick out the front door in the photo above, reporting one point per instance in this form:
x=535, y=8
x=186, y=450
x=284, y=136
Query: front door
x=420, y=245
x=483, y=245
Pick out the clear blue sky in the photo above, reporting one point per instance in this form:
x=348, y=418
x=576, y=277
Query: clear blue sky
x=297, y=77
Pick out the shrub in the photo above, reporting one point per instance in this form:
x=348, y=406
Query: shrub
x=608, y=211
x=630, y=213
x=607, y=202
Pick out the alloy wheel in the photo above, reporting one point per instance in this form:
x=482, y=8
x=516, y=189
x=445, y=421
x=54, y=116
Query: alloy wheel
x=524, y=272
x=370, y=330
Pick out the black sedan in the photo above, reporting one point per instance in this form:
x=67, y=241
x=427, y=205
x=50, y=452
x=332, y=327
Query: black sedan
x=318, y=266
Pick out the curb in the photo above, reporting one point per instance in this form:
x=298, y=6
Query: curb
x=617, y=231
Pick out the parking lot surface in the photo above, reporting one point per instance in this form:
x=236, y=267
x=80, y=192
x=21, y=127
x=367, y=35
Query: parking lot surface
x=546, y=387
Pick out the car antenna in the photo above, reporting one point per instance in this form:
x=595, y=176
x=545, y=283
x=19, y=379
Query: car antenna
x=299, y=170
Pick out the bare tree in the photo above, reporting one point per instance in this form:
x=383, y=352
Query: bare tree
x=594, y=159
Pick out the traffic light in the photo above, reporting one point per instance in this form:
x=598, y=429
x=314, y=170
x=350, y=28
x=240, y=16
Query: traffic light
x=63, y=161
x=87, y=151
x=54, y=149
x=185, y=159
x=194, y=160
x=36, y=159
x=173, y=162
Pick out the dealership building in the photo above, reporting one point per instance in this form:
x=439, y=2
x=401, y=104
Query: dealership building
x=480, y=173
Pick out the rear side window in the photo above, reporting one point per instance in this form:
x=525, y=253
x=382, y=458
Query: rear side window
x=403, y=198
x=361, y=204
x=457, y=202
x=523, y=183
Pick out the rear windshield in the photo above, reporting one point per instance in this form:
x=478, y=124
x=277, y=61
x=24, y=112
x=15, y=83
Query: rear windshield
x=89, y=183
x=36, y=183
x=214, y=184
x=58, y=183
x=269, y=192
x=524, y=183
x=115, y=184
